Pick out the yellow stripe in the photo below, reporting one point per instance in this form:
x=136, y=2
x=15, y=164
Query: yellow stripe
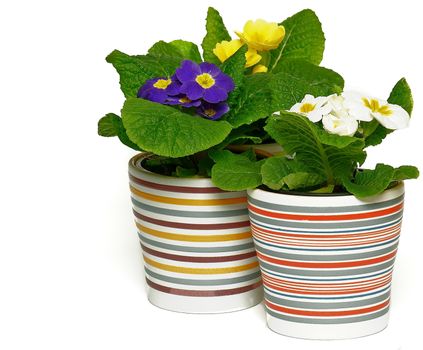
x=182, y=201
x=194, y=238
x=200, y=271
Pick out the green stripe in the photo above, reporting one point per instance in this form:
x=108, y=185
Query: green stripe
x=325, y=305
x=328, y=320
x=334, y=258
x=190, y=214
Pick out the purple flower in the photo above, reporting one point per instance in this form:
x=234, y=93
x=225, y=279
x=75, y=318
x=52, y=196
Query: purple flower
x=159, y=89
x=204, y=80
x=213, y=111
x=182, y=100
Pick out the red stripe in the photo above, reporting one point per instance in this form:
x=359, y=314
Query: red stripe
x=339, y=217
x=199, y=259
x=329, y=236
x=326, y=284
x=327, y=313
x=202, y=293
x=183, y=189
x=326, y=265
x=227, y=225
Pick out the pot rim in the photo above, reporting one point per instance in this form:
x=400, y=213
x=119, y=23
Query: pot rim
x=136, y=168
x=323, y=199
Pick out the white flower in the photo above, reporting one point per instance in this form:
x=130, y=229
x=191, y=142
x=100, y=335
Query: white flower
x=342, y=125
x=312, y=108
x=337, y=106
x=366, y=108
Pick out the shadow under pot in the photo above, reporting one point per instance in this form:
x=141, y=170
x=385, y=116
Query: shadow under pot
x=198, y=251
x=326, y=260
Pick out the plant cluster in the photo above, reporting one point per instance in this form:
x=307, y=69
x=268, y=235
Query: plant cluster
x=265, y=86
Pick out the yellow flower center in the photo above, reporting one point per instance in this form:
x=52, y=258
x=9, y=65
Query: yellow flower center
x=210, y=112
x=205, y=80
x=184, y=100
x=375, y=107
x=307, y=107
x=162, y=83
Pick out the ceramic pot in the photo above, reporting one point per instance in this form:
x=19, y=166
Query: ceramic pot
x=326, y=260
x=198, y=252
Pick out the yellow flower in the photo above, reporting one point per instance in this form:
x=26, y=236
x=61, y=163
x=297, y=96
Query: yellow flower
x=226, y=49
x=262, y=35
x=259, y=69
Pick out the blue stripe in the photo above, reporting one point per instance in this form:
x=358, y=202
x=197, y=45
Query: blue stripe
x=325, y=250
x=328, y=232
x=329, y=298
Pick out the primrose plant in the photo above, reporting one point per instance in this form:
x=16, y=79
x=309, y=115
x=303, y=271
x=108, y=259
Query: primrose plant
x=183, y=106
x=324, y=141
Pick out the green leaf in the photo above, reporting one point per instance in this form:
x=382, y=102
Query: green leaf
x=235, y=172
x=280, y=171
x=162, y=48
x=304, y=141
x=111, y=125
x=216, y=32
x=304, y=39
x=184, y=172
x=293, y=79
x=135, y=70
x=405, y=172
x=265, y=93
x=166, y=131
x=400, y=95
x=254, y=101
x=234, y=66
x=188, y=50
x=370, y=182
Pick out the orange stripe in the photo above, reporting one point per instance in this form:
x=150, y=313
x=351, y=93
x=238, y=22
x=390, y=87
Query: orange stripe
x=327, y=265
x=358, y=216
x=183, y=201
x=326, y=292
x=194, y=238
x=325, y=284
x=327, y=313
x=323, y=244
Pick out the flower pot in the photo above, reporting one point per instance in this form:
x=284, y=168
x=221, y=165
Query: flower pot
x=198, y=251
x=326, y=260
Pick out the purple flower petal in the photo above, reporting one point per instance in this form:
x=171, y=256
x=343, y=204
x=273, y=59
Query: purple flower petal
x=212, y=111
x=173, y=88
x=155, y=95
x=210, y=68
x=215, y=94
x=225, y=82
x=192, y=90
x=187, y=71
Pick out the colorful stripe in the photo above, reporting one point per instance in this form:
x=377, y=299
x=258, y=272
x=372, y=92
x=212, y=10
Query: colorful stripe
x=196, y=239
x=326, y=260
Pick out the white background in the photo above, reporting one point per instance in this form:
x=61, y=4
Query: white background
x=70, y=264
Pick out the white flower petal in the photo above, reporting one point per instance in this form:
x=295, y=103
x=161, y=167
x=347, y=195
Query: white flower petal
x=315, y=116
x=340, y=126
x=296, y=108
x=308, y=98
x=399, y=119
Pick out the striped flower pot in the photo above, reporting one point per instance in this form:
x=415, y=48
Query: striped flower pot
x=198, y=251
x=326, y=261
